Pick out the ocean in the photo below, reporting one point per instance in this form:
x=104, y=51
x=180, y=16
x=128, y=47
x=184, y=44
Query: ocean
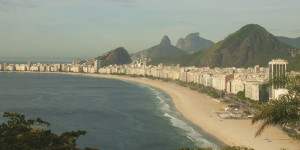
x=117, y=115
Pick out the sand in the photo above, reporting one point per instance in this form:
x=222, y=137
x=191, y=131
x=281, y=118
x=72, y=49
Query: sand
x=201, y=110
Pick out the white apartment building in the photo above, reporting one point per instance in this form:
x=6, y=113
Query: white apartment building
x=234, y=86
x=218, y=82
x=206, y=80
x=253, y=90
x=10, y=67
x=20, y=67
x=277, y=68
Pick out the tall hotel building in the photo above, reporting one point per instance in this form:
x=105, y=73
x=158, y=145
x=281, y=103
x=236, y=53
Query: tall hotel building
x=277, y=68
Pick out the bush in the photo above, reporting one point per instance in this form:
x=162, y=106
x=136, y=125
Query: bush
x=241, y=95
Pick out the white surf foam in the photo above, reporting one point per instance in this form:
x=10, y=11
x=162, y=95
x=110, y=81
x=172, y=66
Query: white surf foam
x=177, y=121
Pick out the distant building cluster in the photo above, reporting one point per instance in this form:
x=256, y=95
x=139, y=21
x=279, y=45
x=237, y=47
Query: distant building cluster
x=231, y=80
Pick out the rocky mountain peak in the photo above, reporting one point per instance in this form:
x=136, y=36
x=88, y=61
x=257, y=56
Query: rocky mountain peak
x=193, y=36
x=165, y=41
x=193, y=43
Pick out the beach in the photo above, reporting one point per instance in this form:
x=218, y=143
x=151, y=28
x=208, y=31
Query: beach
x=202, y=110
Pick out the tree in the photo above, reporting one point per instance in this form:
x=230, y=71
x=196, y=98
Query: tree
x=285, y=109
x=19, y=133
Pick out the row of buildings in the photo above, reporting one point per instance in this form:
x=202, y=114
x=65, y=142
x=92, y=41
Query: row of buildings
x=231, y=80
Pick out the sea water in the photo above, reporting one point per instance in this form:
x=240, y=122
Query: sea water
x=117, y=115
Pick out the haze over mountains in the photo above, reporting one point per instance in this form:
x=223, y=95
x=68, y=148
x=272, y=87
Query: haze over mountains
x=163, y=49
x=193, y=43
x=290, y=41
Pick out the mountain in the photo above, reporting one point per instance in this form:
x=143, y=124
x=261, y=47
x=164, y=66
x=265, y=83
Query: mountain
x=290, y=41
x=193, y=43
x=249, y=46
x=294, y=64
x=164, y=49
x=117, y=56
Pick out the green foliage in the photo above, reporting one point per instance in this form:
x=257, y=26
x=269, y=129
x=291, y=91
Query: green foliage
x=236, y=148
x=241, y=95
x=294, y=64
x=197, y=148
x=284, y=110
x=117, y=56
x=234, y=106
x=247, y=112
x=19, y=133
x=213, y=94
x=288, y=131
x=290, y=41
x=223, y=148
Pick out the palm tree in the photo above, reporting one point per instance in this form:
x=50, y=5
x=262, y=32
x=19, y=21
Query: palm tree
x=285, y=109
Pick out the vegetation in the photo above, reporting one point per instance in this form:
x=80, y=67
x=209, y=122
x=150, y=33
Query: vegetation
x=164, y=49
x=117, y=56
x=290, y=41
x=19, y=133
x=193, y=43
x=249, y=46
x=241, y=95
x=223, y=148
x=285, y=110
x=294, y=63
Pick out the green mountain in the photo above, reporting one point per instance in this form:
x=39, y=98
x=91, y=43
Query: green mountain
x=193, y=43
x=164, y=49
x=117, y=56
x=290, y=41
x=249, y=46
x=294, y=64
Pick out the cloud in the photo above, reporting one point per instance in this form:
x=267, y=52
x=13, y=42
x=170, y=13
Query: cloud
x=123, y=3
x=12, y=5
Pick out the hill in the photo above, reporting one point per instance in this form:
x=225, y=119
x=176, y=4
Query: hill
x=164, y=49
x=193, y=43
x=249, y=46
x=117, y=56
x=294, y=64
x=290, y=41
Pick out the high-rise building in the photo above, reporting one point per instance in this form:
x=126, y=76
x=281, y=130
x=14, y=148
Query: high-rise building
x=29, y=63
x=277, y=68
x=97, y=65
x=4, y=66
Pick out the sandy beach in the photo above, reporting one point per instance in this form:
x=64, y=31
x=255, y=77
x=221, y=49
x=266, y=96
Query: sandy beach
x=201, y=110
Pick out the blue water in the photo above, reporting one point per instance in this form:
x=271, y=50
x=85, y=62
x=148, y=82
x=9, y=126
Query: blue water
x=116, y=114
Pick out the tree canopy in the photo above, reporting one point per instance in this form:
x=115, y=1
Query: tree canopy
x=19, y=133
x=285, y=109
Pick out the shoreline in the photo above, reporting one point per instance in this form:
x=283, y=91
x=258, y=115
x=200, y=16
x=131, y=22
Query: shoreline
x=200, y=109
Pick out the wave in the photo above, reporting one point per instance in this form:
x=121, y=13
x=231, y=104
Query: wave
x=165, y=105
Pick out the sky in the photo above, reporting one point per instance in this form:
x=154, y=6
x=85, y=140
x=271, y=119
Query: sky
x=88, y=28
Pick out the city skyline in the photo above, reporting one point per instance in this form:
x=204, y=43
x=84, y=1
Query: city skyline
x=77, y=28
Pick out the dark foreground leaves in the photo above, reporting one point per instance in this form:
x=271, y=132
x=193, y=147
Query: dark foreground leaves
x=19, y=133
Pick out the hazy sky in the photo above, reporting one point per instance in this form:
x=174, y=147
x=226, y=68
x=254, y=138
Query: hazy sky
x=87, y=28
